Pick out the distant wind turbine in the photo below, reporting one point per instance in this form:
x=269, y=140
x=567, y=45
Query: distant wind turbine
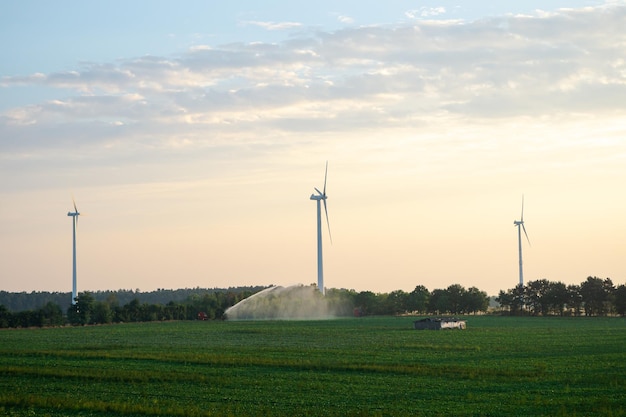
x=74, y=215
x=321, y=196
x=520, y=227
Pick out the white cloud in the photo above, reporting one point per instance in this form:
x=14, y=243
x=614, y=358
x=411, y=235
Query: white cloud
x=425, y=12
x=347, y=20
x=383, y=77
x=273, y=25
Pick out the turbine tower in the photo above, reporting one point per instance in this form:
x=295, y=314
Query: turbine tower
x=74, y=215
x=321, y=196
x=520, y=227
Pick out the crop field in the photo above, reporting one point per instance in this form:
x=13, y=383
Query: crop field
x=499, y=366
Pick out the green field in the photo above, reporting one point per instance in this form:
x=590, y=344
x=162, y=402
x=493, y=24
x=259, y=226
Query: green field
x=499, y=366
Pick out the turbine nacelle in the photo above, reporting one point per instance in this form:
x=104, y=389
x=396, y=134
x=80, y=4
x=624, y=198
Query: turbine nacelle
x=318, y=197
x=520, y=222
x=75, y=212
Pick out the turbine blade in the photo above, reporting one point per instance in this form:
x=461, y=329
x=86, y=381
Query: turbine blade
x=524, y=229
x=325, y=175
x=74, y=202
x=327, y=222
x=318, y=191
x=522, y=218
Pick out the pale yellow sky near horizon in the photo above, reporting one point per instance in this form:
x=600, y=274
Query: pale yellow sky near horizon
x=395, y=223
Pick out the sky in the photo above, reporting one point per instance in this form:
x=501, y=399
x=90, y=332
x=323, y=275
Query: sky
x=191, y=135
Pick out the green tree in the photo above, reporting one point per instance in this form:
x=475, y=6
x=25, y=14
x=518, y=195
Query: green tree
x=536, y=299
x=152, y=312
x=80, y=313
x=101, y=313
x=620, y=300
x=367, y=302
x=595, y=293
x=5, y=317
x=512, y=300
x=26, y=318
x=439, y=302
x=609, y=290
x=397, y=302
x=557, y=297
x=505, y=300
x=575, y=299
x=175, y=311
x=475, y=300
x=456, y=299
x=132, y=310
x=51, y=314
x=418, y=299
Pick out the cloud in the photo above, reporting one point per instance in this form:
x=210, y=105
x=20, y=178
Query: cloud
x=425, y=12
x=355, y=79
x=272, y=25
x=347, y=20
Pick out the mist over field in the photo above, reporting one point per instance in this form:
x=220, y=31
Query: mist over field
x=295, y=302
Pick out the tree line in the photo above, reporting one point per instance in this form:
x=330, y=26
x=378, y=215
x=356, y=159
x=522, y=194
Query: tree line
x=454, y=299
x=593, y=297
x=22, y=301
x=89, y=310
x=210, y=305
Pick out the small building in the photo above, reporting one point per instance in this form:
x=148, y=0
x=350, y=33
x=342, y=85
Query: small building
x=439, y=324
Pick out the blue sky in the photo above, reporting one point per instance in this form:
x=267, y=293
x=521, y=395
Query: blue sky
x=192, y=133
x=42, y=36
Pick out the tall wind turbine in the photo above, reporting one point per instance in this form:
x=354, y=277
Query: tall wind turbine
x=321, y=196
x=74, y=215
x=520, y=227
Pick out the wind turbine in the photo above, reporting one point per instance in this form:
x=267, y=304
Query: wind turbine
x=520, y=227
x=74, y=215
x=321, y=196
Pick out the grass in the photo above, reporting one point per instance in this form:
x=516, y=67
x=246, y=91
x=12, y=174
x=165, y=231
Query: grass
x=349, y=367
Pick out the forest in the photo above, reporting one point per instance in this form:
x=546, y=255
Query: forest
x=593, y=297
